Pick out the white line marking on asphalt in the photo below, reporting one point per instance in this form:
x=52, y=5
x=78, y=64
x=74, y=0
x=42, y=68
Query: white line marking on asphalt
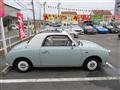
x=57, y=79
x=110, y=65
x=73, y=1
x=5, y=69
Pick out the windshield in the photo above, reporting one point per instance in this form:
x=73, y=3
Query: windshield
x=77, y=41
x=30, y=39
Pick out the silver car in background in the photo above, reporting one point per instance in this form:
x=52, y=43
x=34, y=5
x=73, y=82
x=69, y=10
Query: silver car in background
x=78, y=29
x=70, y=31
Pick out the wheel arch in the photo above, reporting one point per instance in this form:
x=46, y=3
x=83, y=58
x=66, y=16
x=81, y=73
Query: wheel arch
x=97, y=57
x=22, y=58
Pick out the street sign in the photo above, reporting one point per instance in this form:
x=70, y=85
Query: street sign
x=1, y=8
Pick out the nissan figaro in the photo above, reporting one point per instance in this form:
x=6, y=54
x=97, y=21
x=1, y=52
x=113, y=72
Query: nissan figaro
x=56, y=50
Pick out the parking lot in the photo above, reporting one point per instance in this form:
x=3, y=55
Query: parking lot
x=72, y=78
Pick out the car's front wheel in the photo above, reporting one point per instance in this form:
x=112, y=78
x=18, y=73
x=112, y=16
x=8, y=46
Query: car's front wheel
x=23, y=65
x=91, y=64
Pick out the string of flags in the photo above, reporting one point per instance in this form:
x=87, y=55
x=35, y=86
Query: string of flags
x=70, y=9
x=62, y=8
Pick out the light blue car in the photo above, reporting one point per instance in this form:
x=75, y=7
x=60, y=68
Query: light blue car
x=56, y=50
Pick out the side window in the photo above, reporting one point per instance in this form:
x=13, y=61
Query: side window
x=48, y=41
x=57, y=40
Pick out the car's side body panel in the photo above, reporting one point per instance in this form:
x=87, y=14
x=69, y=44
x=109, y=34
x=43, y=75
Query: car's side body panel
x=60, y=56
x=43, y=56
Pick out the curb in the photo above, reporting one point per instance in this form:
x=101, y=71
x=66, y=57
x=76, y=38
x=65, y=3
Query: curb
x=5, y=70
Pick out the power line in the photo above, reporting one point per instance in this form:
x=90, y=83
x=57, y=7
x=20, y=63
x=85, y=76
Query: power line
x=21, y=4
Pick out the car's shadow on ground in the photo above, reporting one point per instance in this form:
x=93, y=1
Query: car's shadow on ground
x=58, y=69
x=62, y=72
x=100, y=72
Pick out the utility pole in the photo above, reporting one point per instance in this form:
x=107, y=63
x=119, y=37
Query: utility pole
x=115, y=8
x=44, y=4
x=33, y=15
x=40, y=10
x=58, y=7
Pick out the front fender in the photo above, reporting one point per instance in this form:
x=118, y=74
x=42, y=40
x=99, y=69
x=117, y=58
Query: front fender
x=103, y=55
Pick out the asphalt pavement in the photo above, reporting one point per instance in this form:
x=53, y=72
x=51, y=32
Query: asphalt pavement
x=92, y=85
x=107, y=77
x=2, y=63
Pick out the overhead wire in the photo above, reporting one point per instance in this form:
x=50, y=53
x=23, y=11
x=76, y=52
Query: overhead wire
x=21, y=4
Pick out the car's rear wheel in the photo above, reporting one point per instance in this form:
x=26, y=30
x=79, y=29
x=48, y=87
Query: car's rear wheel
x=91, y=64
x=23, y=65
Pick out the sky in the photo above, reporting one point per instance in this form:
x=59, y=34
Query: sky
x=74, y=4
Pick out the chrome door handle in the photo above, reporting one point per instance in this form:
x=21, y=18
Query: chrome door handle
x=86, y=52
x=44, y=52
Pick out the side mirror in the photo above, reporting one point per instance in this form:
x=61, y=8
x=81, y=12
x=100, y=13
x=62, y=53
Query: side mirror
x=78, y=42
x=73, y=45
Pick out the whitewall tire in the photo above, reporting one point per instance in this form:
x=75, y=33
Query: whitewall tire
x=91, y=64
x=23, y=65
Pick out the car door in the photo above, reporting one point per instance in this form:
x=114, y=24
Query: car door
x=58, y=51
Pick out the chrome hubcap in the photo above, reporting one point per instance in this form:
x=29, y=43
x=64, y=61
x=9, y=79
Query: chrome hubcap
x=92, y=65
x=23, y=66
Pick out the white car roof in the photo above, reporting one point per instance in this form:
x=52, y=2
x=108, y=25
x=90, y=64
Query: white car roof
x=37, y=40
x=51, y=33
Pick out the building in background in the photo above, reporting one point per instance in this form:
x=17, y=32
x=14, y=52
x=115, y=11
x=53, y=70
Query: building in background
x=10, y=16
x=101, y=15
x=69, y=17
